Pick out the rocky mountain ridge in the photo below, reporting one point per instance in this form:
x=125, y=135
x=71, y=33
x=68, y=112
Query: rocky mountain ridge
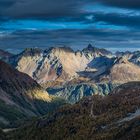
x=54, y=63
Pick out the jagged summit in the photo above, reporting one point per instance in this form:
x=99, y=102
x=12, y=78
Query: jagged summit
x=31, y=52
x=92, y=49
x=65, y=48
x=59, y=49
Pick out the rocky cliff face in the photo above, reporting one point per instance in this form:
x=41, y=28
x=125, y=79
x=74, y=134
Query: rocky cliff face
x=73, y=93
x=20, y=96
x=93, y=52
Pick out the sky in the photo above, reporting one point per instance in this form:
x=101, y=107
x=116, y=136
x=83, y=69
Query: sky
x=111, y=24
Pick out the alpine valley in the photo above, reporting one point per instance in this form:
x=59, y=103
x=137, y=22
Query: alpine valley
x=61, y=94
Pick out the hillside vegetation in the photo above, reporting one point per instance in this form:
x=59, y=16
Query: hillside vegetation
x=114, y=117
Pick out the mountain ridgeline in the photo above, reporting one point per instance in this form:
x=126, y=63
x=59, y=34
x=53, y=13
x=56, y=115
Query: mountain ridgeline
x=63, y=65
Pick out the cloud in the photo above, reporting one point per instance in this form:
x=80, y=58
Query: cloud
x=56, y=8
x=127, y=20
x=70, y=11
x=69, y=23
x=41, y=8
x=128, y=4
x=78, y=39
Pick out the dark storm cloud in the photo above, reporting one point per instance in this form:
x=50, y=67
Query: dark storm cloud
x=7, y=3
x=108, y=28
x=55, y=8
x=132, y=21
x=129, y=4
x=62, y=10
x=41, y=8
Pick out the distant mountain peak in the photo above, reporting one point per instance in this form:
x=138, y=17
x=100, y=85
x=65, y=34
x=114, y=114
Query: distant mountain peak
x=90, y=46
x=64, y=48
x=59, y=49
x=92, y=49
x=31, y=51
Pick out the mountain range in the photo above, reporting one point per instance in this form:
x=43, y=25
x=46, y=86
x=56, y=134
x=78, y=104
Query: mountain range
x=64, y=64
x=64, y=71
x=85, y=94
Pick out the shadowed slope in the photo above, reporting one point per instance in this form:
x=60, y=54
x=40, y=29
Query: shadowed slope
x=20, y=96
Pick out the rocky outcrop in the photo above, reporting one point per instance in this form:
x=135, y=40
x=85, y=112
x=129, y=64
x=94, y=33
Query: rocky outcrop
x=73, y=93
x=93, y=52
